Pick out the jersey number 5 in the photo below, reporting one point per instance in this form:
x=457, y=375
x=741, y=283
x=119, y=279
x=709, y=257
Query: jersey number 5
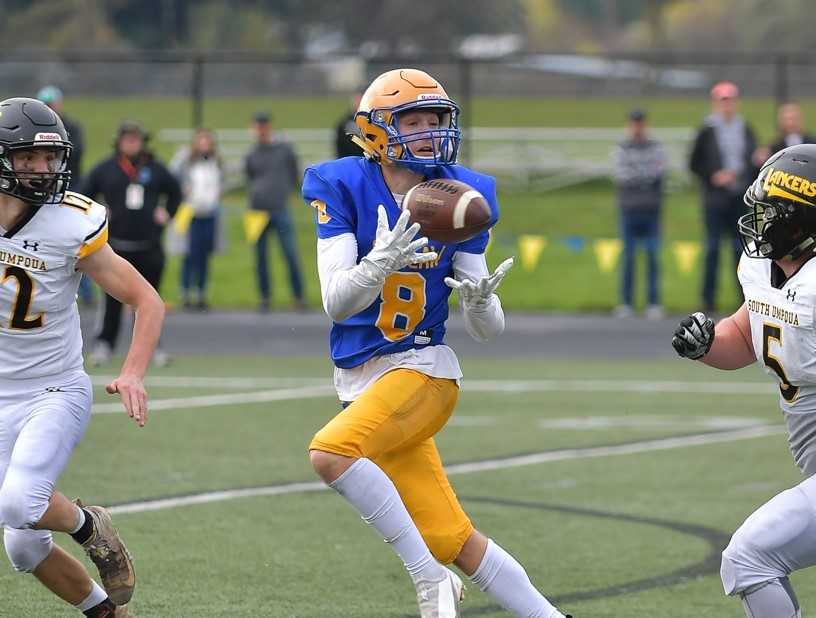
x=403, y=305
x=769, y=333
x=22, y=302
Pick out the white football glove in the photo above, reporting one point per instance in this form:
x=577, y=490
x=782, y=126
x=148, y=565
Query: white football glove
x=394, y=249
x=477, y=294
x=693, y=336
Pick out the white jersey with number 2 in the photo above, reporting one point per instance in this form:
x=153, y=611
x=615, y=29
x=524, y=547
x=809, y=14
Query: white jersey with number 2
x=39, y=319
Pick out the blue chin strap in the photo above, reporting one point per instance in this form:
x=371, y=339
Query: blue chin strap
x=444, y=141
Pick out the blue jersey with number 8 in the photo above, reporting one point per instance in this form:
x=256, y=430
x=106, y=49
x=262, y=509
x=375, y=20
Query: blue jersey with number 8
x=413, y=306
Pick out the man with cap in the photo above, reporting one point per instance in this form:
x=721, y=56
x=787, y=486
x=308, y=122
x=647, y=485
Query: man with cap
x=639, y=167
x=724, y=158
x=141, y=195
x=53, y=98
x=272, y=172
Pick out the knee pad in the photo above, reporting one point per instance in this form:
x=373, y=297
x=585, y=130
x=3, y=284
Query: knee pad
x=729, y=571
x=445, y=542
x=16, y=510
x=771, y=599
x=745, y=567
x=26, y=549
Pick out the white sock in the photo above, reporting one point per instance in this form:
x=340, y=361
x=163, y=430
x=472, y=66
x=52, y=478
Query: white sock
x=80, y=521
x=92, y=600
x=505, y=580
x=376, y=498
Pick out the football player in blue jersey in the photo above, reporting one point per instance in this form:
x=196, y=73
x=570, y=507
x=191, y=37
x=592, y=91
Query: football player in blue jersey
x=386, y=292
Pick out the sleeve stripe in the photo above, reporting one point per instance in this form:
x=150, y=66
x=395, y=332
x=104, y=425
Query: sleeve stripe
x=96, y=244
x=97, y=230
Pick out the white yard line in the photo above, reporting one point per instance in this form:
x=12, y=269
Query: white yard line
x=218, y=382
x=645, y=446
x=503, y=386
x=202, y=401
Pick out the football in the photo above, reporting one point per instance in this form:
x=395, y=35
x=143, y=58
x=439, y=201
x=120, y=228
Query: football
x=448, y=211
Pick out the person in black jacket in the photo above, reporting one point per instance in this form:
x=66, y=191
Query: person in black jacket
x=53, y=98
x=723, y=158
x=791, y=128
x=142, y=196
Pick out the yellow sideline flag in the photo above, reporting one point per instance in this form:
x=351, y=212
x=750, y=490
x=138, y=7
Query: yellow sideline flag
x=254, y=223
x=184, y=214
x=530, y=248
x=686, y=252
x=607, y=251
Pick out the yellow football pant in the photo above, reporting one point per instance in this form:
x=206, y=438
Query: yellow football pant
x=393, y=423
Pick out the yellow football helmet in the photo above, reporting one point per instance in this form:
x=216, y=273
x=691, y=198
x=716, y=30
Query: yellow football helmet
x=399, y=91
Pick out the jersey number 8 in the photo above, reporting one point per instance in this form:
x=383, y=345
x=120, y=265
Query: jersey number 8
x=403, y=305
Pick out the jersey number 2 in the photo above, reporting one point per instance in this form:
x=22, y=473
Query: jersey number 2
x=22, y=303
x=403, y=305
x=771, y=332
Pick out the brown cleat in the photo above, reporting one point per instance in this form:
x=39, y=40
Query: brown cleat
x=111, y=557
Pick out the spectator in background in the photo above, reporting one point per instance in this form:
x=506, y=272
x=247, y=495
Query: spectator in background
x=639, y=167
x=271, y=168
x=790, y=127
x=346, y=127
x=200, y=171
x=141, y=195
x=53, y=98
x=725, y=159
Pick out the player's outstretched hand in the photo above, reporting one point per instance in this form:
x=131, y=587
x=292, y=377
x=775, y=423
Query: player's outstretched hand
x=134, y=396
x=394, y=249
x=477, y=294
x=693, y=336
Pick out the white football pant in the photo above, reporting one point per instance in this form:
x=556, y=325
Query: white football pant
x=778, y=538
x=41, y=422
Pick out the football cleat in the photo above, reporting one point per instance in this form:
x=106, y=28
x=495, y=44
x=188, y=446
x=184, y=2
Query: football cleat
x=111, y=557
x=440, y=599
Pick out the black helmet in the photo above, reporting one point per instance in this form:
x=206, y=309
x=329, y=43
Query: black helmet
x=782, y=221
x=26, y=124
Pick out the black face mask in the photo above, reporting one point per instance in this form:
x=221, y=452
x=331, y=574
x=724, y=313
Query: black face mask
x=35, y=187
x=776, y=230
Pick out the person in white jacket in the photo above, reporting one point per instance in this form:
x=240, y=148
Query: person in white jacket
x=200, y=172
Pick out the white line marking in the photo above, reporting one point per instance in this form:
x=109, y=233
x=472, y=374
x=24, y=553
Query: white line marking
x=203, y=401
x=620, y=386
x=649, y=422
x=659, y=444
x=467, y=468
x=217, y=382
x=503, y=386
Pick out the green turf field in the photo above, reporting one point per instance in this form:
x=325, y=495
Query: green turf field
x=605, y=534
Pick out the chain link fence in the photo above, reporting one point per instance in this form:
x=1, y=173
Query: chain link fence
x=530, y=156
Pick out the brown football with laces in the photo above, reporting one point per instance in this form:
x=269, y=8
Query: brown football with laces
x=448, y=211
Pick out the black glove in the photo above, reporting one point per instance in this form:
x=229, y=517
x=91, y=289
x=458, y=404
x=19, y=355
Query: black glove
x=694, y=336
